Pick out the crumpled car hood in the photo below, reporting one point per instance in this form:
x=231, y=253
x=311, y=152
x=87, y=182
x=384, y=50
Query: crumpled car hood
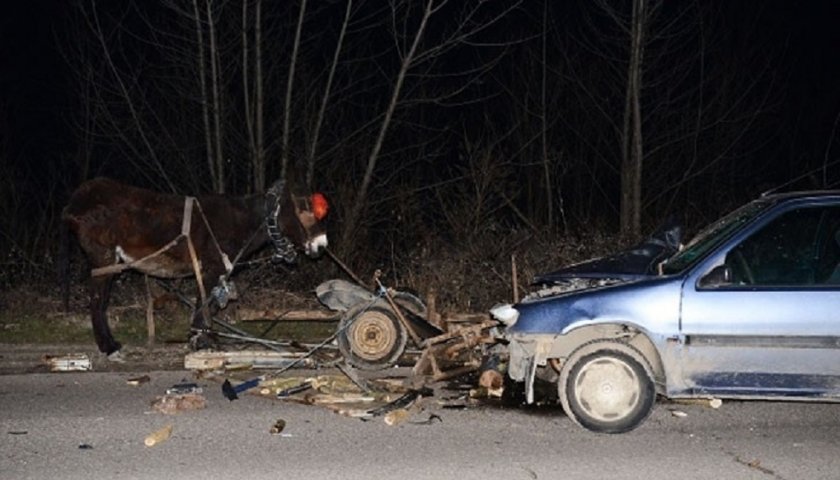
x=635, y=263
x=653, y=300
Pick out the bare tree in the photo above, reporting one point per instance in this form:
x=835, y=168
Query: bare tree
x=127, y=98
x=640, y=67
x=325, y=98
x=413, y=53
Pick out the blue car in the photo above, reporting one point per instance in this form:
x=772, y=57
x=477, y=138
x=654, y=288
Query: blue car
x=749, y=309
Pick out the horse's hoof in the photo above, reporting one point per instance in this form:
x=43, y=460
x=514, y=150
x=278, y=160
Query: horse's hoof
x=200, y=341
x=116, y=357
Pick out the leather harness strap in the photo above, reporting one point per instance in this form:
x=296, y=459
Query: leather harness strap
x=186, y=224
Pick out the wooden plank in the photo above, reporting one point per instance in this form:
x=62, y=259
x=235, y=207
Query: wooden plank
x=455, y=372
x=205, y=360
x=465, y=317
x=462, y=332
x=279, y=314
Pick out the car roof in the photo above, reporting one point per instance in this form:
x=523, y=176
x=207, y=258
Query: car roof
x=798, y=195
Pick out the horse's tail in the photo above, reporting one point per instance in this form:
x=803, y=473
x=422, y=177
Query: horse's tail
x=63, y=263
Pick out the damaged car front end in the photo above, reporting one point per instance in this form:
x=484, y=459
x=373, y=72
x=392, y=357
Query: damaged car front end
x=746, y=310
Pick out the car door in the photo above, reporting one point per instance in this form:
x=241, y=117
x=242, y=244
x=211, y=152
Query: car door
x=773, y=328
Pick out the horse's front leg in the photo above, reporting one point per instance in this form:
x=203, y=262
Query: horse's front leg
x=202, y=318
x=100, y=295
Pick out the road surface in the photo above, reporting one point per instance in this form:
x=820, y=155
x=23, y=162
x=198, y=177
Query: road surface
x=92, y=425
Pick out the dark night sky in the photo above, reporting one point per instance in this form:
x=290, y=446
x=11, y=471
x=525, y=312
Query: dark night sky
x=33, y=80
x=35, y=93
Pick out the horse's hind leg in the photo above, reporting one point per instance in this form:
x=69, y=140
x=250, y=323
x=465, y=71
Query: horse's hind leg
x=100, y=294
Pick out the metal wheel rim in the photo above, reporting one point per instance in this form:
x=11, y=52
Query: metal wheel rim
x=607, y=389
x=373, y=336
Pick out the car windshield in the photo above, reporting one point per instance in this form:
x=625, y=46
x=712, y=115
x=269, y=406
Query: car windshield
x=713, y=235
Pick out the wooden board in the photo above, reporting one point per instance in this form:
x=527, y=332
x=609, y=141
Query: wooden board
x=279, y=314
x=205, y=360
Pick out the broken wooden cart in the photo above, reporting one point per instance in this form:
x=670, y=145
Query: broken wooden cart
x=375, y=330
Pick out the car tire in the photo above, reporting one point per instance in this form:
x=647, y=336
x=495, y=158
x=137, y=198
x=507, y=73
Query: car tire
x=607, y=389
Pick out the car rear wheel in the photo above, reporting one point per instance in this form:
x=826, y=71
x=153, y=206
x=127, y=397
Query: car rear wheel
x=607, y=391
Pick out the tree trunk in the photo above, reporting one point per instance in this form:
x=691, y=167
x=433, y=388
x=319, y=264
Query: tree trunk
x=287, y=109
x=247, y=101
x=632, y=151
x=549, y=196
x=219, y=171
x=202, y=80
x=310, y=161
x=259, y=165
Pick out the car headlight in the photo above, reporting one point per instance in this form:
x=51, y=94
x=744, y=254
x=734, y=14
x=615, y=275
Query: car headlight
x=505, y=313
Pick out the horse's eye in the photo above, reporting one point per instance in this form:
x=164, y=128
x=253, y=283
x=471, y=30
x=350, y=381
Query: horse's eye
x=319, y=206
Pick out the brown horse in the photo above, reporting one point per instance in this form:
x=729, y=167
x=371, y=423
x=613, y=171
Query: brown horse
x=171, y=236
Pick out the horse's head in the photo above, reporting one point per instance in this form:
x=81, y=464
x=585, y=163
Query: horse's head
x=296, y=220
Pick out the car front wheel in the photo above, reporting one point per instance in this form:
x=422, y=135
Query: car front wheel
x=608, y=391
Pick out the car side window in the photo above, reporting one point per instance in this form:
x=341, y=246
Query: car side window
x=798, y=248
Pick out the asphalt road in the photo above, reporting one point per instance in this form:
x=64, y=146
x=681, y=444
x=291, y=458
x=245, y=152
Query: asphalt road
x=45, y=418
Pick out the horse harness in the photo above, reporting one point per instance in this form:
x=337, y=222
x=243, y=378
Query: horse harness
x=284, y=247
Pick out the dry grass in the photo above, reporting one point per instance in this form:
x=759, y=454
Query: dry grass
x=465, y=277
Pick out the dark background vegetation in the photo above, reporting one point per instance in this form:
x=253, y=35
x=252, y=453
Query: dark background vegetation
x=506, y=130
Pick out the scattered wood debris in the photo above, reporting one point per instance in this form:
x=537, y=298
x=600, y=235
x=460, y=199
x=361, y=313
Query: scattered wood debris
x=444, y=347
x=396, y=417
x=755, y=464
x=705, y=402
x=455, y=352
x=491, y=379
x=135, y=381
x=74, y=362
x=334, y=392
x=244, y=360
x=171, y=404
x=278, y=427
x=184, y=388
x=158, y=436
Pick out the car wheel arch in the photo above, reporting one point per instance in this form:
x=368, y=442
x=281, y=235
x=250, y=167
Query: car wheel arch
x=638, y=343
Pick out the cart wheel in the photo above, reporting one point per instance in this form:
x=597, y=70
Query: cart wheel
x=371, y=338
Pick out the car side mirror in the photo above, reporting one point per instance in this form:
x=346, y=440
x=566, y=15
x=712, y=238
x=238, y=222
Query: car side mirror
x=717, y=277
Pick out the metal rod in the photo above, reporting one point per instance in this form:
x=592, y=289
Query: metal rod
x=414, y=336
x=243, y=335
x=344, y=267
